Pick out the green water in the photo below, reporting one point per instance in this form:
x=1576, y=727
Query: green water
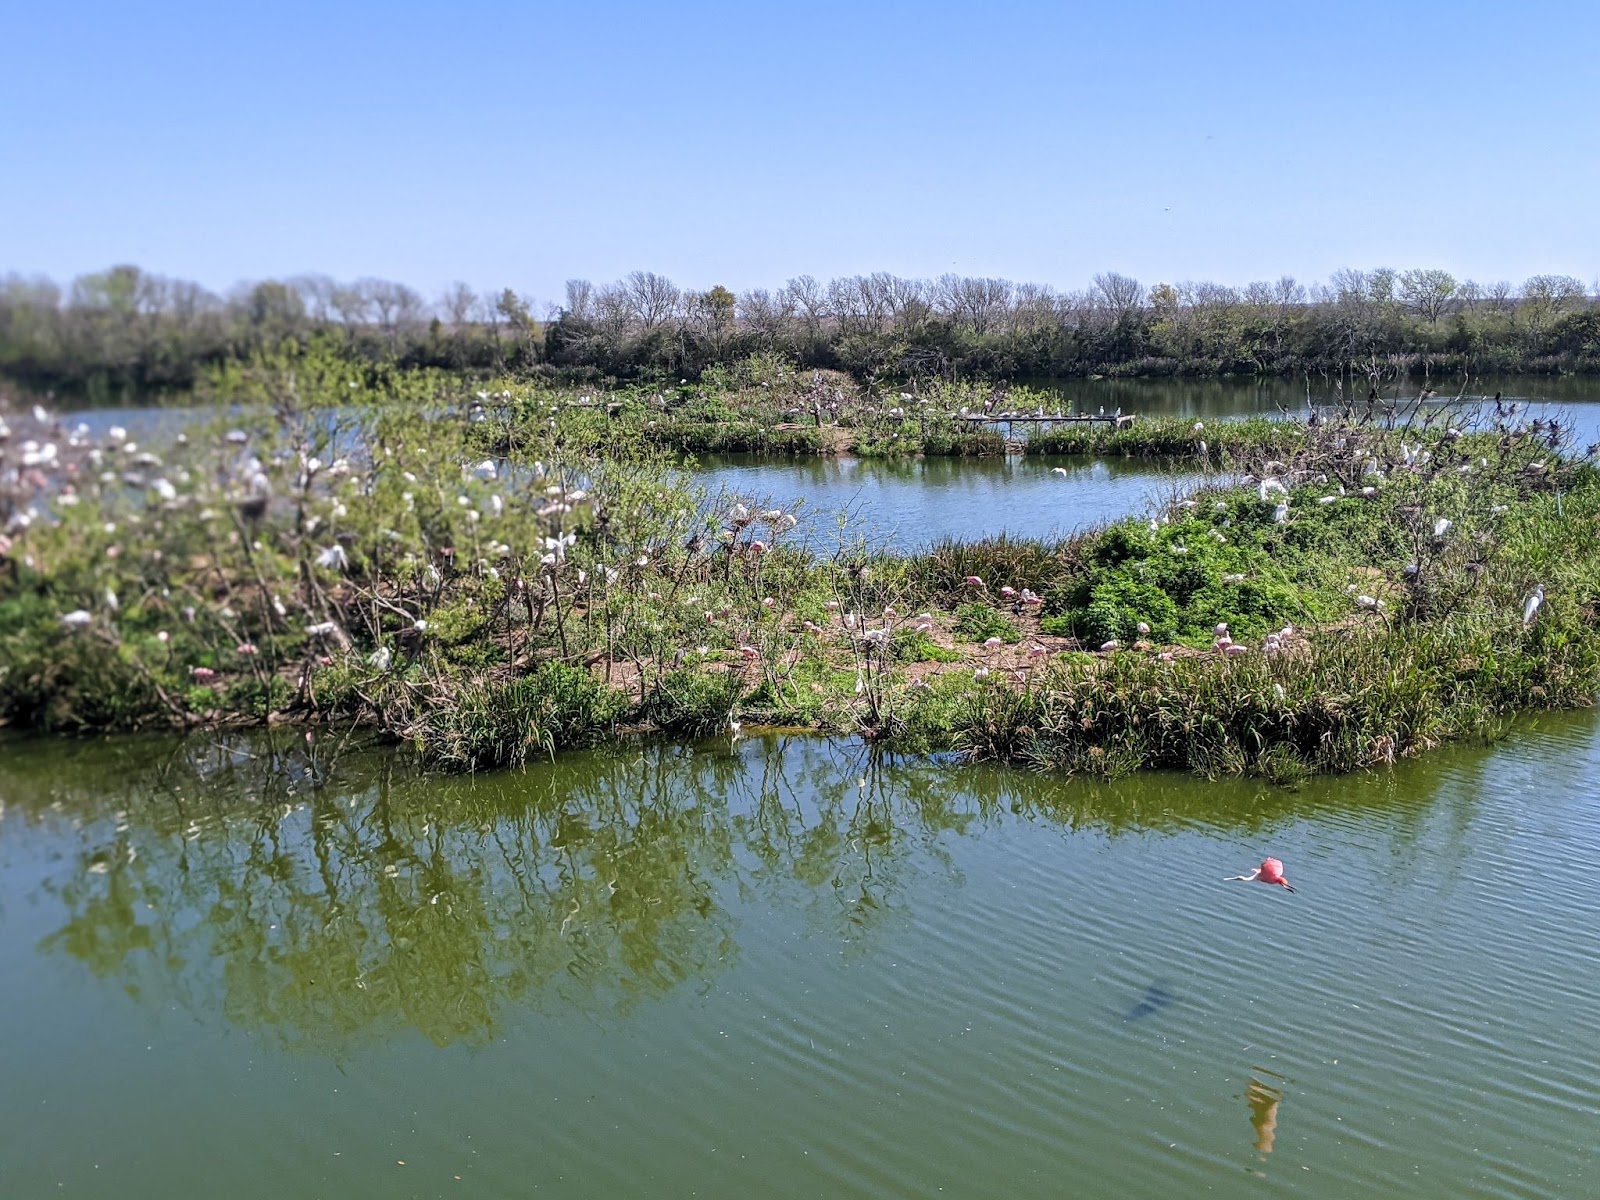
x=792, y=968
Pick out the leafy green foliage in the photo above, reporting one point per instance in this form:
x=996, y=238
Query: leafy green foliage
x=978, y=622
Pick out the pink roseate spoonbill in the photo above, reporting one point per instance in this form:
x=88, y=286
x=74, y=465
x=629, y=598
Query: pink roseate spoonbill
x=1270, y=871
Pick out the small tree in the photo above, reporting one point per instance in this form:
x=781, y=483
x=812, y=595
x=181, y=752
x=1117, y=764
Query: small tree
x=1428, y=293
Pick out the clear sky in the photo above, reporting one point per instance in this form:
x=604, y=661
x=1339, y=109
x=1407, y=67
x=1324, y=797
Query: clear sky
x=520, y=144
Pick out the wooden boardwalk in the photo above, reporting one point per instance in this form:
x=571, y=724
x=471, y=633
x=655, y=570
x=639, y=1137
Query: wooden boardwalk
x=1008, y=419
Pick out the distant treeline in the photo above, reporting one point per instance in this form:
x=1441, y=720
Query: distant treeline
x=126, y=328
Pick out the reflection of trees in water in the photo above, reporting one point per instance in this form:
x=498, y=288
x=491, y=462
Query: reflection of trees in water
x=327, y=903
x=383, y=900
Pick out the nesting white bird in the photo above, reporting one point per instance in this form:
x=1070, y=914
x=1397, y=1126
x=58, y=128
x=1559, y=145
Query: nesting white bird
x=1530, y=606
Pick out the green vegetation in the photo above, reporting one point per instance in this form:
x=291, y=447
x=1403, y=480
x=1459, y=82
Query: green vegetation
x=125, y=328
x=978, y=622
x=1254, y=438
x=1360, y=595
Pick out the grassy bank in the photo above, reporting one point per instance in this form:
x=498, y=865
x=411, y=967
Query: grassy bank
x=373, y=564
x=765, y=405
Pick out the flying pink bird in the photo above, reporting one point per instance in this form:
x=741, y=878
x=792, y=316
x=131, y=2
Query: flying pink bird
x=1270, y=871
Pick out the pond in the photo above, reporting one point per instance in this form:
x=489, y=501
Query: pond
x=908, y=503
x=792, y=967
x=1209, y=399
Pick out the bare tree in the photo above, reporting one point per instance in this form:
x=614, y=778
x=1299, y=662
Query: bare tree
x=1288, y=293
x=654, y=298
x=1559, y=292
x=189, y=301
x=1033, y=308
x=613, y=312
x=908, y=302
x=458, y=304
x=1545, y=298
x=807, y=299
x=980, y=304
x=397, y=306
x=861, y=303
x=1119, y=294
x=580, y=298
x=765, y=315
x=316, y=293
x=352, y=303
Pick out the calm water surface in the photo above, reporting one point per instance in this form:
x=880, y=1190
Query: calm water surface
x=792, y=968
x=908, y=503
x=1578, y=396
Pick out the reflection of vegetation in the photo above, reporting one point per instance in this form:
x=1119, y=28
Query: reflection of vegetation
x=391, y=901
x=329, y=901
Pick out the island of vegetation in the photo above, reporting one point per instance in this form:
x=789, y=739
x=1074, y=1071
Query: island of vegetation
x=488, y=573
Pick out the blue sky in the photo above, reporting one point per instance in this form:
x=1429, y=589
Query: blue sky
x=522, y=144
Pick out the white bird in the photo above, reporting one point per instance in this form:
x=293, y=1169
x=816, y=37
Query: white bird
x=1441, y=527
x=1530, y=606
x=75, y=620
x=334, y=556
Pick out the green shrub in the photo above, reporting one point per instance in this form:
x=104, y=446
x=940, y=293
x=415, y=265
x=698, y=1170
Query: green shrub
x=910, y=646
x=693, y=701
x=501, y=725
x=979, y=622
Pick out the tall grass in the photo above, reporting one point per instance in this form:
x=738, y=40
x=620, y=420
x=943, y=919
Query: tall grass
x=1346, y=701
